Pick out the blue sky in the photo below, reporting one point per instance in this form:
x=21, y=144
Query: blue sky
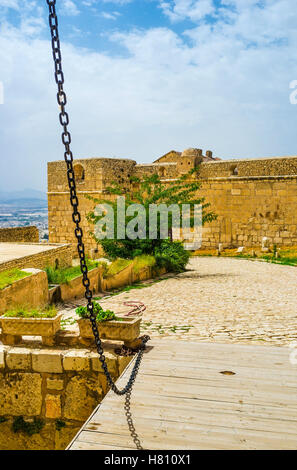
x=144, y=77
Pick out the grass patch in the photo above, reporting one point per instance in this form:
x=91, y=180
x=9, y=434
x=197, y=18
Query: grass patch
x=8, y=277
x=65, y=275
x=117, y=266
x=284, y=261
x=67, y=322
x=161, y=329
x=286, y=256
x=48, y=312
x=143, y=261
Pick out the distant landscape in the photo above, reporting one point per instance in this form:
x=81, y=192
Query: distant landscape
x=23, y=208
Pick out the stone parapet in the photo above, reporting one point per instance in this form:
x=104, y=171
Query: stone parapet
x=19, y=234
x=57, y=387
x=59, y=255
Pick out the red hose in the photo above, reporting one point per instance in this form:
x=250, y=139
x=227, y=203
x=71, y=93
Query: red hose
x=138, y=308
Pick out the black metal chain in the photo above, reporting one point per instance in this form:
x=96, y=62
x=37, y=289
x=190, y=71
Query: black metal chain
x=76, y=217
x=131, y=426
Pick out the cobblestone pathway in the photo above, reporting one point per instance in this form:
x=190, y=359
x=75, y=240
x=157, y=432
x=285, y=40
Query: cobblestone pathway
x=219, y=299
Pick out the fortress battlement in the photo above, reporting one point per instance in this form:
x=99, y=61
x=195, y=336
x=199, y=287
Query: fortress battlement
x=253, y=198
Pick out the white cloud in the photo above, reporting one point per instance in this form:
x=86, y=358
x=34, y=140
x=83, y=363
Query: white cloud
x=70, y=8
x=226, y=88
x=10, y=4
x=98, y=2
x=110, y=15
x=194, y=10
x=118, y=2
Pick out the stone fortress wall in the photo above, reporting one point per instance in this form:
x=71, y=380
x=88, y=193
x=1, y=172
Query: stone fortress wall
x=53, y=386
x=19, y=234
x=253, y=198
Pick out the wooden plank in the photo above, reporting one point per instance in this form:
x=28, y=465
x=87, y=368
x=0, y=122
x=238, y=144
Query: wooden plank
x=181, y=401
x=77, y=445
x=202, y=392
x=112, y=422
x=169, y=436
x=279, y=364
x=198, y=374
x=245, y=417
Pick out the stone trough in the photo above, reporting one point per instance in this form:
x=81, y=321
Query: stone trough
x=13, y=329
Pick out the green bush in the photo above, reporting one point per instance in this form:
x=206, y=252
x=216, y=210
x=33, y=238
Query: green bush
x=172, y=256
x=128, y=249
x=150, y=190
x=101, y=315
x=162, y=253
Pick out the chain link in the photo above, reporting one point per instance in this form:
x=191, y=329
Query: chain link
x=76, y=217
x=131, y=426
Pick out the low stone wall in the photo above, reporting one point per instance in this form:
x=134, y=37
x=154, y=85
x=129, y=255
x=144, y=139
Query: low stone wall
x=59, y=255
x=128, y=276
x=121, y=279
x=31, y=291
x=75, y=289
x=53, y=391
x=147, y=273
x=19, y=234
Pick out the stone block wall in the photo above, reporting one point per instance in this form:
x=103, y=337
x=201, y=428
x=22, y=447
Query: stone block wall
x=57, y=256
x=279, y=166
x=93, y=176
x=61, y=226
x=59, y=388
x=250, y=208
x=19, y=234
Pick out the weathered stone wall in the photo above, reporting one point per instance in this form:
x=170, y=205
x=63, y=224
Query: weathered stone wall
x=19, y=234
x=58, y=256
x=60, y=387
x=75, y=289
x=281, y=166
x=252, y=198
x=94, y=183
x=250, y=208
x=31, y=291
x=163, y=170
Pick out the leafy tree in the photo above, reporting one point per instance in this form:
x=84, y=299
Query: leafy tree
x=150, y=190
